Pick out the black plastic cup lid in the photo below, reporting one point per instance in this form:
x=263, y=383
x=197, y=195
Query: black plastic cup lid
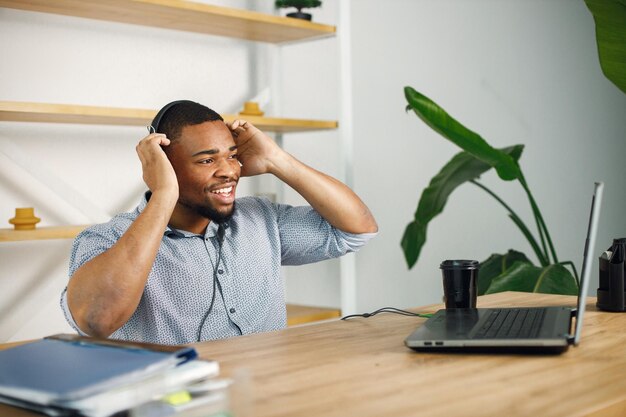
x=459, y=264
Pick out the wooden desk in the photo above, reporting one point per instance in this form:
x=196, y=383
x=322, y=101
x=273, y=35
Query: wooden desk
x=361, y=368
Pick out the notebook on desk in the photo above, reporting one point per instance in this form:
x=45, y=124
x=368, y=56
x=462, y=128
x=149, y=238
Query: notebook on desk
x=525, y=330
x=67, y=375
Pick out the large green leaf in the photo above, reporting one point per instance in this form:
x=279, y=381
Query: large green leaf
x=471, y=142
x=610, y=18
x=462, y=167
x=552, y=279
x=496, y=265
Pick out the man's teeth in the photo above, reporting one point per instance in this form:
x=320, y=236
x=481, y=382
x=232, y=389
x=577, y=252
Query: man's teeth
x=223, y=190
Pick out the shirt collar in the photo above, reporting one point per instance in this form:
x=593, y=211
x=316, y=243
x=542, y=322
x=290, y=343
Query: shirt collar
x=211, y=230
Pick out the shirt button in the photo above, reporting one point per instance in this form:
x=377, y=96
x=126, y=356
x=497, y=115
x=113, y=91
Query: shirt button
x=232, y=310
x=221, y=271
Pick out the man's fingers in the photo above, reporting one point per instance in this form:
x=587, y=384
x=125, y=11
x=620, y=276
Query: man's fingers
x=238, y=125
x=154, y=138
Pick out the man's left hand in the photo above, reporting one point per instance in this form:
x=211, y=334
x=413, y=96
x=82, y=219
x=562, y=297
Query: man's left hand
x=256, y=151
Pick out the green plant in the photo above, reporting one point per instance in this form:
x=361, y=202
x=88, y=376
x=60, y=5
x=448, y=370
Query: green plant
x=512, y=271
x=610, y=19
x=298, y=4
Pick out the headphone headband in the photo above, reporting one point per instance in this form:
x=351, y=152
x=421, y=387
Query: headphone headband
x=154, y=126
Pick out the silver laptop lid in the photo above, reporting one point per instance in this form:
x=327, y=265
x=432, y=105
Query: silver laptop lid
x=590, y=243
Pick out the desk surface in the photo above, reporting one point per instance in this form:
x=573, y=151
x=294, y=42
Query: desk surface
x=361, y=367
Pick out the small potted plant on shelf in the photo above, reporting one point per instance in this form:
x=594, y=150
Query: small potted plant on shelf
x=299, y=4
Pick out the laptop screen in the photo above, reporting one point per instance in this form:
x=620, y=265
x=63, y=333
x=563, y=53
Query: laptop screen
x=590, y=243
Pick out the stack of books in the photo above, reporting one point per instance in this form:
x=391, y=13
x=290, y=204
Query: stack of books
x=68, y=375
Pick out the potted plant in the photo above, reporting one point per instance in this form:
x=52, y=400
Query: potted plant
x=299, y=4
x=511, y=271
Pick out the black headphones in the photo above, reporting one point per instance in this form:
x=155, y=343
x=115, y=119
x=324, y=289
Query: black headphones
x=154, y=126
x=220, y=241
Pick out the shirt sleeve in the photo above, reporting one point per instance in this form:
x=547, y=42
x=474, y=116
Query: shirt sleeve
x=306, y=237
x=90, y=243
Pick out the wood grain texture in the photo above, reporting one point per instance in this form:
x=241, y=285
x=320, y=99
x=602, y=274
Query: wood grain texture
x=14, y=111
x=300, y=314
x=185, y=16
x=361, y=367
x=41, y=233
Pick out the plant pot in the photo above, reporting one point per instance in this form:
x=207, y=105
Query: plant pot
x=300, y=15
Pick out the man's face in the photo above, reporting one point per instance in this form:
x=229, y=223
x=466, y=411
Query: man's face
x=205, y=160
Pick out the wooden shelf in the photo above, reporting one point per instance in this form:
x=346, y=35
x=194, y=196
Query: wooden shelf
x=14, y=111
x=41, y=233
x=184, y=15
x=298, y=314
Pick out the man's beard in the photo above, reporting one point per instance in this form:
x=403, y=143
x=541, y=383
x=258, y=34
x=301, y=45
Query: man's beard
x=214, y=215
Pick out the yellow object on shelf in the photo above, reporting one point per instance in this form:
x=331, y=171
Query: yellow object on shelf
x=251, y=108
x=24, y=219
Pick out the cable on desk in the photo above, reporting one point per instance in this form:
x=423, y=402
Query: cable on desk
x=388, y=310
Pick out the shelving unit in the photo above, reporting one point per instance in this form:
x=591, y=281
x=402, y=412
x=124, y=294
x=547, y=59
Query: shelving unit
x=298, y=314
x=184, y=15
x=174, y=15
x=41, y=233
x=14, y=111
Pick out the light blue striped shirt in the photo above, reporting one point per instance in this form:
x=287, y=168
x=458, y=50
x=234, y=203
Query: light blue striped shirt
x=259, y=238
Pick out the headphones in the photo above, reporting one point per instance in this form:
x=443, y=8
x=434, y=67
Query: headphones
x=220, y=240
x=154, y=126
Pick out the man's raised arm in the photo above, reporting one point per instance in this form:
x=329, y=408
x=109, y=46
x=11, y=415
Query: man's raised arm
x=105, y=291
x=332, y=199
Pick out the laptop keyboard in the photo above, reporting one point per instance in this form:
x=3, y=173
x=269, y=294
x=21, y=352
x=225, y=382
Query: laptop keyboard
x=511, y=324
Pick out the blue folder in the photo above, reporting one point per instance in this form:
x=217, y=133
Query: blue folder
x=65, y=368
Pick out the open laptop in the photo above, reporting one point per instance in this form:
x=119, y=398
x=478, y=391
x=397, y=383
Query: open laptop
x=520, y=330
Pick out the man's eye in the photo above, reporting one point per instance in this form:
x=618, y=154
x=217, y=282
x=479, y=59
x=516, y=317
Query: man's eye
x=235, y=156
x=206, y=161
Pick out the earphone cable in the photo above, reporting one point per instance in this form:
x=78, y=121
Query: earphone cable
x=220, y=234
x=392, y=310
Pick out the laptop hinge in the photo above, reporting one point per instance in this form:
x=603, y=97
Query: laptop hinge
x=570, y=337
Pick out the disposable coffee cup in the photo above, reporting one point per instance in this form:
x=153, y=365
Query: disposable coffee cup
x=459, y=282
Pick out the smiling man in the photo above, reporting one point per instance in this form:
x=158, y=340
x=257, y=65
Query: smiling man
x=193, y=263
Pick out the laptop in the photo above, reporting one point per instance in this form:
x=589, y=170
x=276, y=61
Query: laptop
x=515, y=330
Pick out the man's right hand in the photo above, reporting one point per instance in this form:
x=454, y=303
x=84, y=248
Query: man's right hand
x=158, y=173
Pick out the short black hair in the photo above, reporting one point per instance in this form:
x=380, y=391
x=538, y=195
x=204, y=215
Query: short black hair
x=184, y=113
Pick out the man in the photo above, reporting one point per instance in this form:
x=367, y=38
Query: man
x=192, y=263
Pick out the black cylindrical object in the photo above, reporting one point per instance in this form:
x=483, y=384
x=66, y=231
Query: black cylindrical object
x=459, y=283
x=611, y=295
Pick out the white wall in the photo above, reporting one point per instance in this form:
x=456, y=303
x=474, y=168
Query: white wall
x=513, y=71
x=516, y=72
x=57, y=59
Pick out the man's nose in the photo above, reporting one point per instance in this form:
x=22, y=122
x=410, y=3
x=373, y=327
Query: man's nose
x=226, y=169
